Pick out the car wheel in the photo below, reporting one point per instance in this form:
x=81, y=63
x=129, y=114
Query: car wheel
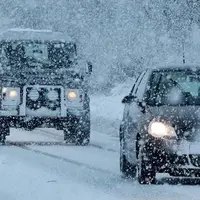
x=126, y=168
x=79, y=136
x=4, y=131
x=83, y=139
x=30, y=125
x=146, y=170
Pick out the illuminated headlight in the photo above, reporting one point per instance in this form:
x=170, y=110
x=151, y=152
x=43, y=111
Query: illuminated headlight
x=13, y=94
x=72, y=95
x=10, y=93
x=160, y=129
x=10, y=97
x=33, y=95
x=52, y=95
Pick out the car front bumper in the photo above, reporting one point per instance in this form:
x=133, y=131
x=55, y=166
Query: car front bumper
x=178, y=158
x=22, y=121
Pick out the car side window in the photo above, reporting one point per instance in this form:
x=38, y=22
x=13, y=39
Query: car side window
x=3, y=57
x=134, y=89
x=142, y=85
x=1, y=51
x=2, y=54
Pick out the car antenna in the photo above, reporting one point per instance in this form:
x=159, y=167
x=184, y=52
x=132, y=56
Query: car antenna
x=183, y=52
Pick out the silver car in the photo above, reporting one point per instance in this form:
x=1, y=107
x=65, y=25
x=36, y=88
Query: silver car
x=160, y=130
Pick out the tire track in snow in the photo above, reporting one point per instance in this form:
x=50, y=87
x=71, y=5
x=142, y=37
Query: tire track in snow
x=144, y=190
x=58, y=137
x=103, y=180
x=67, y=160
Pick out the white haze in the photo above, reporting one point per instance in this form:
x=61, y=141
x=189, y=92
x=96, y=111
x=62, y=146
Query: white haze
x=120, y=37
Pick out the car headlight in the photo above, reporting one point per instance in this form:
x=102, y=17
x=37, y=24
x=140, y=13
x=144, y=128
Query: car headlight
x=13, y=94
x=72, y=95
x=33, y=95
x=160, y=129
x=10, y=97
x=10, y=93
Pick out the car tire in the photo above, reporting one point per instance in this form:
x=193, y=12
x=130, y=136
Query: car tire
x=81, y=139
x=146, y=170
x=127, y=169
x=79, y=136
x=29, y=126
x=4, y=131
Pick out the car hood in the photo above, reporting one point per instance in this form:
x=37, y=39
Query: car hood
x=185, y=119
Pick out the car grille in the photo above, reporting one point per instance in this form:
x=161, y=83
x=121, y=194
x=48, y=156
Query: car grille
x=43, y=97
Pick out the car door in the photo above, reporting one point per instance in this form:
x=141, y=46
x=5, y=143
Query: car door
x=127, y=105
x=134, y=117
x=126, y=124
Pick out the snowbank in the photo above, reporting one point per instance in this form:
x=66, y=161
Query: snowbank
x=107, y=111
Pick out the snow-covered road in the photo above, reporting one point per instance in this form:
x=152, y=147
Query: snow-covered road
x=47, y=171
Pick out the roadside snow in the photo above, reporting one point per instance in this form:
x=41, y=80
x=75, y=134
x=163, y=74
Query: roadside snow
x=107, y=111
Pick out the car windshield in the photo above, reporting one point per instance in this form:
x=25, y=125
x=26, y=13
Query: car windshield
x=54, y=54
x=181, y=87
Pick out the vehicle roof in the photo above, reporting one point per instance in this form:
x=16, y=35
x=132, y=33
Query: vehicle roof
x=32, y=34
x=176, y=67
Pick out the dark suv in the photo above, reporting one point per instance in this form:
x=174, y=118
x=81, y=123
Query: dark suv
x=160, y=130
x=43, y=83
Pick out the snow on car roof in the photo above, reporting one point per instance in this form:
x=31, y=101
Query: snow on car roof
x=32, y=34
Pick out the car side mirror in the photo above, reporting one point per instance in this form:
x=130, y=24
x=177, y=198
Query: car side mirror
x=129, y=99
x=90, y=67
x=142, y=106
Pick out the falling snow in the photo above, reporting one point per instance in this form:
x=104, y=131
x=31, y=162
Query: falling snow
x=99, y=98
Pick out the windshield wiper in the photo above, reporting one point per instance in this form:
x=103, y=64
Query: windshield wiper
x=187, y=95
x=175, y=83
